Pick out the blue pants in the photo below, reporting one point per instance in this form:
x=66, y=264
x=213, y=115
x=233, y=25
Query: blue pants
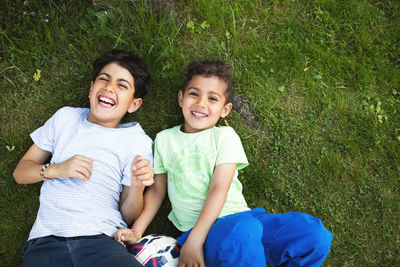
x=97, y=250
x=256, y=238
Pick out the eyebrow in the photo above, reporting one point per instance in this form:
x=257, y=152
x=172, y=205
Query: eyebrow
x=209, y=92
x=120, y=80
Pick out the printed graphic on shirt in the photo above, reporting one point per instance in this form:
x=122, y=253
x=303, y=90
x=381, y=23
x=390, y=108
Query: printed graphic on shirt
x=190, y=170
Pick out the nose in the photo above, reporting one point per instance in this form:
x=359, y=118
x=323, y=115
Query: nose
x=202, y=101
x=109, y=87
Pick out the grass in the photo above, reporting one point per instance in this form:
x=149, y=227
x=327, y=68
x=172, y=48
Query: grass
x=323, y=78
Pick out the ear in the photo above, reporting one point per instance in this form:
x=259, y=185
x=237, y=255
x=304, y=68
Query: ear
x=226, y=109
x=135, y=105
x=180, y=98
x=91, y=87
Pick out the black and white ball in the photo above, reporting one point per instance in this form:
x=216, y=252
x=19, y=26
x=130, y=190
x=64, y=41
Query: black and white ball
x=157, y=250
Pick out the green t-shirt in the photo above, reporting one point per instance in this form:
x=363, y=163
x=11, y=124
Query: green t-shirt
x=189, y=161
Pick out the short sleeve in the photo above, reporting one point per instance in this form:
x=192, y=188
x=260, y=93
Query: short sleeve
x=158, y=162
x=144, y=150
x=229, y=147
x=44, y=136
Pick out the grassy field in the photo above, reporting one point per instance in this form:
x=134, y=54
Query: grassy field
x=322, y=77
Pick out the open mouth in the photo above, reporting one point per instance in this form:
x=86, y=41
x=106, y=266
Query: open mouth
x=106, y=101
x=198, y=115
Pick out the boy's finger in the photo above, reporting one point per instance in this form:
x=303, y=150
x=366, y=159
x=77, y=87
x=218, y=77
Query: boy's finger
x=142, y=163
x=79, y=176
x=144, y=177
x=135, y=161
x=84, y=158
x=144, y=170
x=147, y=182
x=84, y=172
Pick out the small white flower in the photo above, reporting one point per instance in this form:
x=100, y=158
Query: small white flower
x=10, y=148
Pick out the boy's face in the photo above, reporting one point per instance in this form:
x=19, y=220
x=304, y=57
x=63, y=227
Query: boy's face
x=111, y=96
x=203, y=103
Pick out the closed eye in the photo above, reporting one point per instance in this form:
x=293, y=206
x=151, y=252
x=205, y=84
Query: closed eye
x=211, y=98
x=193, y=93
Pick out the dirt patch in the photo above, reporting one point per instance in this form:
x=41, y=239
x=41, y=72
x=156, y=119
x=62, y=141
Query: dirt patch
x=245, y=111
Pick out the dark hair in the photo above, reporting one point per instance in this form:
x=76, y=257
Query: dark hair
x=209, y=68
x=129, y=61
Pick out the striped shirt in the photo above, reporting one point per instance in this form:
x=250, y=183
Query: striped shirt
x=71, y=207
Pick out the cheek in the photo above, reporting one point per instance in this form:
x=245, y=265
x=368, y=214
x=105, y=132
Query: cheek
x=185, y=105
x=91, y=94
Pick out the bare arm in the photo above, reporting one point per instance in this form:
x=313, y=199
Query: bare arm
x=192, y=250
x=153, y=199
x=28, y=168
x=131, y=203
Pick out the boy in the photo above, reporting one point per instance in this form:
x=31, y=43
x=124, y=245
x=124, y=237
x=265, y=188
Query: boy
x=199, y=162
x=95, y=162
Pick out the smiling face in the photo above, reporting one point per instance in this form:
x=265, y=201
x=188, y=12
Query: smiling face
x=111, y=96
x=203, y=103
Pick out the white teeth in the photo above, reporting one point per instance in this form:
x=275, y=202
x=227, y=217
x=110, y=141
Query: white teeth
x=106, y=100
x=198, y=114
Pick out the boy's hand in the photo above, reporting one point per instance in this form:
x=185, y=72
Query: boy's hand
x=78, y=166
x=126, y=236
x=191, y=255
x=141, y=172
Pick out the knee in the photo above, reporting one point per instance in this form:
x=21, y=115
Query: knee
x=318, y=235
x=241, y=246
x=322, y=237
x=247, y=229
x=237, y=228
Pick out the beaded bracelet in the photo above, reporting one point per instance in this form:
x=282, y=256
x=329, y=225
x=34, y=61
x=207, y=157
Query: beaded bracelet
x=137, y=232
x=44, y=178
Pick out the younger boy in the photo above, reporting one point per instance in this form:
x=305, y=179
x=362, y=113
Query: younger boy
x=199, y=162
x=95, y=162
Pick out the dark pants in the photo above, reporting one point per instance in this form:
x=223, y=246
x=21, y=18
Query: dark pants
x=97, y=250
x=256, y=238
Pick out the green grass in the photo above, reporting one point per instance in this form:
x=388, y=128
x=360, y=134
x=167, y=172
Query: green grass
x=322, y=76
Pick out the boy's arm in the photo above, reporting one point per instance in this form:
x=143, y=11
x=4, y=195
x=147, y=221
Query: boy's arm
x=131, y=204
x=192, y=250
x=29, y=167
x=153, y=199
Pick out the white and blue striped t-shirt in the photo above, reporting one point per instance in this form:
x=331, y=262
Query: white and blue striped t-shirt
x=71, y=207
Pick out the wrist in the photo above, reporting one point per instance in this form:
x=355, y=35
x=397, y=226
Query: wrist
x=137, y=188
x=138, y=234
x=50, y=171
x=43, y=174
x=198, y=235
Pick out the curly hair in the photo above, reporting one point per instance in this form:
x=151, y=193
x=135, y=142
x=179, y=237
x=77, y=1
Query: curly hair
x=129, y=61
x=208, y=68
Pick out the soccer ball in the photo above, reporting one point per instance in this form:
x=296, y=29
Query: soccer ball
x=157, y=250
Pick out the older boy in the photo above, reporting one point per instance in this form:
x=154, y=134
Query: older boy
x=96, y=178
